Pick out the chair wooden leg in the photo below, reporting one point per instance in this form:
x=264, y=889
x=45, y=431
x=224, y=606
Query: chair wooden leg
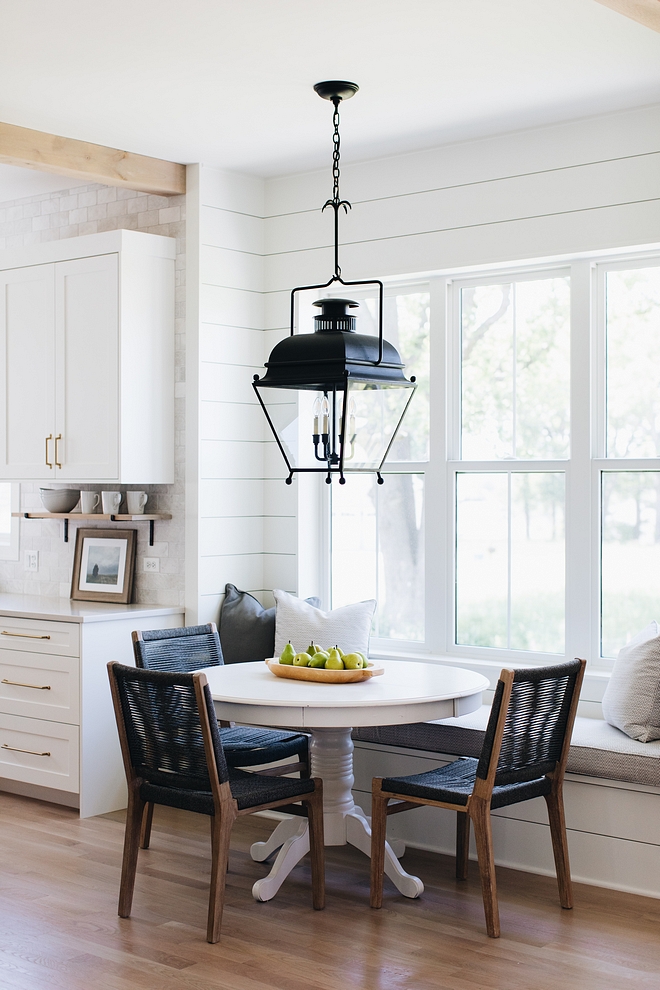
x=131, y=848
x=378, y=830
x=462, y=844
x=147, y=819
x=316, y=845
x=555, y=803
x=480, y=815
x=221, y=826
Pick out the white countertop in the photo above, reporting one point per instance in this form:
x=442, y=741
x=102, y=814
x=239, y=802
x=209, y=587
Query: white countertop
x=41, y=607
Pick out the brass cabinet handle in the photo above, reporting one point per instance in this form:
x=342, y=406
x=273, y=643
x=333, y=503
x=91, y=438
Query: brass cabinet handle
x=37, y=687
x=15, y=749
x=23, y=635
x=57, y=462
x=48, y=463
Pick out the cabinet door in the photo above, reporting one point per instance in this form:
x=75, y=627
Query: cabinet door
x=87, y=369
x=27, y=344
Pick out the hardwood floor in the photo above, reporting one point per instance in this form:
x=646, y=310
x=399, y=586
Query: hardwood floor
x=59, y=930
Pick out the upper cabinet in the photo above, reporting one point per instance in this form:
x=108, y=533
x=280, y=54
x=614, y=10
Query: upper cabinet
x=87, y=360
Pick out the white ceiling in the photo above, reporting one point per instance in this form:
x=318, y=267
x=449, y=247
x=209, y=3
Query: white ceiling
x=229, y=82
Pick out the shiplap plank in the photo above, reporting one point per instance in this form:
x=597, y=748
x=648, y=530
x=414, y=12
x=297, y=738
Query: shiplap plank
x=234, y=231
x=229, y=421
x=209, y=608
x=232, y=269
x=231, y=497
x=227, y=383
x=231, y=459
x=231, y=536
x=280, y=534
x=281, y=571
x=234, y=191
x=243, y=570
x=231, y=307
x=231, y=345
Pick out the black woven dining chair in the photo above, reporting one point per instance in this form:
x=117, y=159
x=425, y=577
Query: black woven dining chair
x=523, y=756
x=190, y=648
x=173, y=755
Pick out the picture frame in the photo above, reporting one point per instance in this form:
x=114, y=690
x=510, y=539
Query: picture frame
x=104, y=565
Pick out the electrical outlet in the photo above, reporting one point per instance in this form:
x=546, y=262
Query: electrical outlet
x=151, y=564
x=31, y=560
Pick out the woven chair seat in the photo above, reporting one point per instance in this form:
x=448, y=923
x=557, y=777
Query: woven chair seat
x=455, y=782
x=248, y=746
x=248, y=789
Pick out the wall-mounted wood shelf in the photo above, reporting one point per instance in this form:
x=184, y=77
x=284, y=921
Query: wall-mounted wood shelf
x=149, y=517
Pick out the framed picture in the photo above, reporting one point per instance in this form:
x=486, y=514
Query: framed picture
x=104, y=565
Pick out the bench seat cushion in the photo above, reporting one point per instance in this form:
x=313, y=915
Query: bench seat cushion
x=597, y=749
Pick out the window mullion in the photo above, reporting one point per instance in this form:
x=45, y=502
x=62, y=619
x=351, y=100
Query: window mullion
x=579, y=496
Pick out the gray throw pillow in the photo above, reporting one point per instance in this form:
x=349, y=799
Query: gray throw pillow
x=632, y=697
x=247, y=629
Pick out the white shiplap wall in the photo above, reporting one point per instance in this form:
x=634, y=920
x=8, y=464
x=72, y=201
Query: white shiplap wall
x=585, y=186
x=246, y=529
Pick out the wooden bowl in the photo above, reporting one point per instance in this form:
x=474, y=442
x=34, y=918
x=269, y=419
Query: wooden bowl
x=320, y=675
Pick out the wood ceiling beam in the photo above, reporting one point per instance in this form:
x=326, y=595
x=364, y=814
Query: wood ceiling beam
x=89, y=162
x=646, y=12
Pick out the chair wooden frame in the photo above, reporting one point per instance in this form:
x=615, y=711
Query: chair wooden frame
x=299, y=766
x=478, y=811
x=226, y=812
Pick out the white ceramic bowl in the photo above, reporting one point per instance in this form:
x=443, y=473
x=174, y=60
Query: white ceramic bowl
x=59, y=499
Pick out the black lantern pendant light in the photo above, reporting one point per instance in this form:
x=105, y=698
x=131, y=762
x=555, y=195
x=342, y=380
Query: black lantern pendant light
x=334, y=398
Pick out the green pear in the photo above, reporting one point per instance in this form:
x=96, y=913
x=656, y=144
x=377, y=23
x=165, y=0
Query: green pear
x=334, y=661
x=339, y=650
x=353, y=661
x=301, y=660
x=287, y=654
x=318, y=660
x=312, y=649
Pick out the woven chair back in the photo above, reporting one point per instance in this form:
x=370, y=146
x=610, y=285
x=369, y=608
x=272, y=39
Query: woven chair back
x=164, y=729
x=182, y=650
x=535, y=724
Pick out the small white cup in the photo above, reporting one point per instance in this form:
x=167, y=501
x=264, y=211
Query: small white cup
x=110, y=502
x=136, y=502
x=89, y=502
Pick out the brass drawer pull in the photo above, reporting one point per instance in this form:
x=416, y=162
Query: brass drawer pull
x=48, y=463
x=23, y=635
x=57, y=452
x=15, y=749
x=37, y=687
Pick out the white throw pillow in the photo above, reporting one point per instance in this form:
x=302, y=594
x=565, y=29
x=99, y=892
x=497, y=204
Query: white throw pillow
x=632, y=698
x=346, y=627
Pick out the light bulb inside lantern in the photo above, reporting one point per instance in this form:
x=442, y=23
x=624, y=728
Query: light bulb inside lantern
x=317, y=412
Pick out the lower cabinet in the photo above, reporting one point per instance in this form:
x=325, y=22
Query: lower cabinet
x=57, y=724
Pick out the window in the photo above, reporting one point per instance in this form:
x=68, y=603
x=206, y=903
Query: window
x=9, y=526
x=520, y=515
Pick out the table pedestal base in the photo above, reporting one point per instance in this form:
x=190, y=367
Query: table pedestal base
x=344, y=822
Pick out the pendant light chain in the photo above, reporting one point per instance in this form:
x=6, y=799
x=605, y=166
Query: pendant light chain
x=336, y=203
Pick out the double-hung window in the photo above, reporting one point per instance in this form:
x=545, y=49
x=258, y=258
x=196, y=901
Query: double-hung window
x=520, y=515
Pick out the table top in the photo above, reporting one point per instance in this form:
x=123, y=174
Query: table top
x=407, y=691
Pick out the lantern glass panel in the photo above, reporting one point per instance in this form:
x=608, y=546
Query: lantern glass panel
x=375, y=410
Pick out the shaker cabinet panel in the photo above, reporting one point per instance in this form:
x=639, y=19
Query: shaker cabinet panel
x=27, y=351
x=87, y=368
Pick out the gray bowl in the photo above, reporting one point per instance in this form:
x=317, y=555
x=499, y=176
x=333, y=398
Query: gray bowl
x=59, y=499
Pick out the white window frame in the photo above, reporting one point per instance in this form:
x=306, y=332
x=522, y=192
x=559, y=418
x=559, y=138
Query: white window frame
x=10, y=550
x=582, y=469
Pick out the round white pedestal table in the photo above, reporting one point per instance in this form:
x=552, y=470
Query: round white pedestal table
x=407, y=691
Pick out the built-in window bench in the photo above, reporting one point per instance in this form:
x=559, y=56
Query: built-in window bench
x=612, y=794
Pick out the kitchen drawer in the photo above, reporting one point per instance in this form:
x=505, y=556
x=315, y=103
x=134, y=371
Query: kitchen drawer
x=40, y=636
x=40, y=686
x=39, y=752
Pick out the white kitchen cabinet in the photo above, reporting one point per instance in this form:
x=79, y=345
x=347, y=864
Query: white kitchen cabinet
x=58, y=735
x=87, y=360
